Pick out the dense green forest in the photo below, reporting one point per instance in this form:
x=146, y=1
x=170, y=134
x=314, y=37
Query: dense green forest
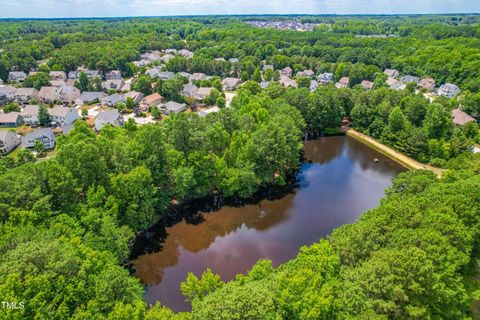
x=66, y=223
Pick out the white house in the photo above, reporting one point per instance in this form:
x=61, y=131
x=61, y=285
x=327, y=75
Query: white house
x=44, y=135
x=448, y=90
x=63, y=115
x=8, y=141
x=108, y=117
x=30, y=114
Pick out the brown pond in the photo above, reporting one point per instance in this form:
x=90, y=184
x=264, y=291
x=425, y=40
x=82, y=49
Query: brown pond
x=339, y=181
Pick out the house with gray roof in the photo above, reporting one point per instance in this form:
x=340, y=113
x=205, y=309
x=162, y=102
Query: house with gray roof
x=186, y=53
x=11, y=120
x=89, y=97
x=108, y=117
x=167, y=58
x=172, y=107
x=30, y=114
x=409, y=79
x=44, y=135
x=153, y=73
x=448, y=90
x=325, y=78
x=135, y=95
x=189, y=90
x=9, y=92
x=58, y=83
x=233, y=60
x=72, y=75
x=198, y=76
x=313, y=85
x=93, y=73
x=8, y=141
x=69, y=94
x=113, y=84
x=58, y=75
x=112, y=100
x=24, y=95
x=185, y=74
x=49, y=94
x=231, y=84
x=165, y=75
x=3, y=99
x=63, y=115
x=306, y=73
x=202, y=93
x=287, y=72
x=17, y=76
x=113, y=74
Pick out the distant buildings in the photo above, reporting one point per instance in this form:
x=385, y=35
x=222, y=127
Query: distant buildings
x=294, y=25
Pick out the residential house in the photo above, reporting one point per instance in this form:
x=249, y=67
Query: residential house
x=127, y=86
x=185, y=74
x=325, y=78
x=90, y=97
x=93, y=73
x=108, y=117
x=44, y=135
x=230, y=84
x=198, y=77
x=233, y=60
x=287, y=72
x=189, y=90
x=3, y=99
x=391, y=73
x=448, y=90
x=202, y=93
x=112, y=100
x=460, y=118
x=172, y=107
x=220, y=59
x=63, y=115
x=17, y=76
x=409, y=79
x=306, y=73
x=49, y=94
x=394, y=84
x=368, y=85
x=267, y=66
x=141, y=63
x=287, y=82
x=135, y=95
x=344, y=82
x=313, y=85
x=167, y=58
x=72, y=75
x=24, y=95
x=113, y=74
x=171, y=51
x=30, y=114
x=11, y=120
x=186, y=53
x=427, y=84
x=264, y=84
x=58, y=83
x=9, y=92
x=153, y=73
x=8, y=141
x=150, y=57
x=208, y=111
x=58, y=75
x=165, y=75
x=113, y=84
x=152, y=100
x=69, y=94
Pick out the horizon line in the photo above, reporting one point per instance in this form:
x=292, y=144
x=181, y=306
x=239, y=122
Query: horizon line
x=244, y=15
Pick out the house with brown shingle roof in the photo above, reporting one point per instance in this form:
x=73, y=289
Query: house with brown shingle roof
x=460, y=118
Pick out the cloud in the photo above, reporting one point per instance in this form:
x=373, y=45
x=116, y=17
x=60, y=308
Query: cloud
x=95, y=8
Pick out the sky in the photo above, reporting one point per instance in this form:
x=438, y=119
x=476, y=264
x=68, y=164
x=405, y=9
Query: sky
x=116, y=8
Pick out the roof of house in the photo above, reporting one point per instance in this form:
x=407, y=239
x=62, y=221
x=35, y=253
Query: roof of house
x=5, y=133
x=113, y=74
x=91, y=95
x=190, y=88
x=287, y=82
x=17, y=74
x=37, y=133
x=461, y=118
x=50, y=93
x=8, y=89
x=205, y=91
x=9, y=117
x=325, y=77
x=409, y=78
x=108, y=116
x=174, y=106
x=113, y=98
x=31, y=109
x=231, y=81
x=391, y=72
x=57, y=74
x=153, y=97
x=198, y=76
x=449, y=87
x=59, y=111
x=344, y=80
x=57, y=83
x=26, y=91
